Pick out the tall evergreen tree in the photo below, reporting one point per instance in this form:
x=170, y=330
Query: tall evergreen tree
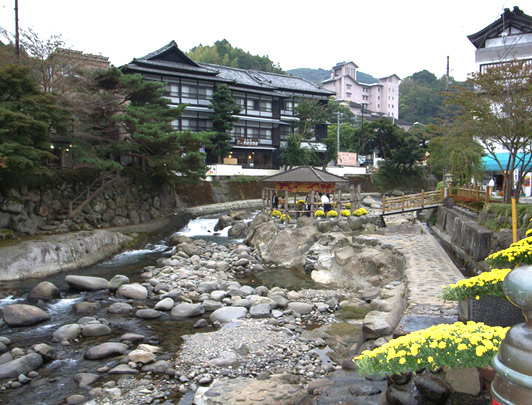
x=225, y=109
x=28, y=119
x=122, y=115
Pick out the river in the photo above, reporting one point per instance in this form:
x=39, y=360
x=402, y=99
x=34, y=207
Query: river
x=58, y=382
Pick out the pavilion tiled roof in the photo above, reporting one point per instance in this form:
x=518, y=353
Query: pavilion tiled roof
x=305, y=174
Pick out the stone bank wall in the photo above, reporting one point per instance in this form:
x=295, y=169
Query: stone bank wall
x=459, y=231
x=26, y=211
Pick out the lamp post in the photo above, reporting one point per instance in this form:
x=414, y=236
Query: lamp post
x=512, y=384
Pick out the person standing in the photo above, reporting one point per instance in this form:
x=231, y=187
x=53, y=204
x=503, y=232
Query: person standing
x=275, y=201
x=325, y=202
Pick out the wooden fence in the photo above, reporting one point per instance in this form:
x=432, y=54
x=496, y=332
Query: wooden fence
x=475, y=193
x=412, y=202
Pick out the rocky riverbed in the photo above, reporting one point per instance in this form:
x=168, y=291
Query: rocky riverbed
x=252, y=343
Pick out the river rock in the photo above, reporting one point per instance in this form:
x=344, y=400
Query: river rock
x=223, y=222
x=158, y=367
x=288, y=247
x=23, y=315
x=186, y=310
x=190, y=249
x=212, y=305
x=376, y=325
x=46, y=351
x=86, y=283
x=67, y=332
x=75, y=399
x=132, y=337
x=119, y=308
x=177, y=239
x=301, y=308
x=122, y=369
x=98, y=329
x=85, y=379
x=117, y=281
x=6, y=357
x=141, y=356
x=22, y=365
x=260, y=311
x=44, y=291
x=228, y=314
x=104, y=350
x=147, y=313
x=165, y=304
x=226, y=359
x=237, y=229
x=134, y=291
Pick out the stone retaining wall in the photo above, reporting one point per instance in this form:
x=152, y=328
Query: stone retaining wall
x=44, y=210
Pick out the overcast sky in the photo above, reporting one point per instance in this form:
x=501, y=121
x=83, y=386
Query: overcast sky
x=381, y=36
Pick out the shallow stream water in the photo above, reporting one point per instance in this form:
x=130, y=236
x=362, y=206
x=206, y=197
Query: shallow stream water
x=58, y=382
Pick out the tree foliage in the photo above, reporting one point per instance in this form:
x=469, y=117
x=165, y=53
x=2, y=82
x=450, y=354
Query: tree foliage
x=28, y=118
x=292, y=154
x=498, y=113
x=423, y=98
x=223, y=53
x=225, y=109
x=122, y=115
x=400, y=149
x=310, y=113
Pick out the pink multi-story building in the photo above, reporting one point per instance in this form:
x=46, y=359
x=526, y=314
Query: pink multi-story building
x=363, y=93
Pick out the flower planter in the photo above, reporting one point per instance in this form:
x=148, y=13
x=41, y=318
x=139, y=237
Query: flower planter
x=493, y=311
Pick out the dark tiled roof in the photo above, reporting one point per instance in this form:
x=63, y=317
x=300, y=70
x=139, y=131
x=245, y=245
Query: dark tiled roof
x=136, y=68
x=305, y=174
x=516, y=18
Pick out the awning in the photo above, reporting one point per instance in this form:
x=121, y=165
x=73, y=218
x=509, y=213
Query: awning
x=491, y=165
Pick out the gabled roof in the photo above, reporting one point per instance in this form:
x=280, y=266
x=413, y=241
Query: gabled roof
x=170, y=60
x=516, y=19
x=305, y=174
x=363, y=80
x=340, y=64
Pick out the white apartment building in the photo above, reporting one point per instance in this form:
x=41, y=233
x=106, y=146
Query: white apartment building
x=363, y=93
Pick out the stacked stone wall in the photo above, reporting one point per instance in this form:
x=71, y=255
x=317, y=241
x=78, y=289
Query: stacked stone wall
x=44, y=210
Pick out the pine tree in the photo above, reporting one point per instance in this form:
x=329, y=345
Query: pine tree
x=28, y=119
x=225, y=108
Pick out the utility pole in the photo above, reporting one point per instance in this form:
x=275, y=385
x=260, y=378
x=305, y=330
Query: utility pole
x=17, y=42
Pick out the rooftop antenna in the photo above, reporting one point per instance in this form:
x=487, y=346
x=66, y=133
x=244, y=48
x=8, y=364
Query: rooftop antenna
x=17, y=42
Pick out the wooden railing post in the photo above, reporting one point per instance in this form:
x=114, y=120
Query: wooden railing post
x=422, y=198
x=403, y=202
x=383, y=204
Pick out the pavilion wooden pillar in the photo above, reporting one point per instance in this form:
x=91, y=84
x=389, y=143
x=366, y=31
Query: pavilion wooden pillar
x=312, y=195
x=286, y=200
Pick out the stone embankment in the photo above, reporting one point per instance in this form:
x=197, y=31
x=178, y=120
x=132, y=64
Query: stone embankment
x=46, y=254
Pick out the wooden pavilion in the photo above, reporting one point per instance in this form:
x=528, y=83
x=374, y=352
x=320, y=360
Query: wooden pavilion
x=304, y=183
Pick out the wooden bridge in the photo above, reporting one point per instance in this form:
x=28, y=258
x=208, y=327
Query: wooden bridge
x=412, y=202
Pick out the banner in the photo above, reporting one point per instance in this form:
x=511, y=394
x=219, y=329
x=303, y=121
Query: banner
x=347, y=159
x=306, y=188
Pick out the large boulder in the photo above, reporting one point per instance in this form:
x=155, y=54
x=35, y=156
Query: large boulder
x=186, y=310
x=86, y=283
x=237, y=229
x=287, y=249
x=104, y=350
x=23, y=315
x=44, y=291
x=228, y=314
x=22, y=365
x=67, y=332
x=223, y=222
x=134, y=291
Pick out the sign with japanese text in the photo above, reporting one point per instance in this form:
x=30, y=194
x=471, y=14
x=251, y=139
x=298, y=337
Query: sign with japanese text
x=247, y=142
x=306, y=188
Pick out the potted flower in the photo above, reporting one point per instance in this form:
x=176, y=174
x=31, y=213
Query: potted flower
x=276, y=213
x=457, y=345
x=345, y=213
x=319, y=213
x=519, y=252
x=359, y=212
x=285, y=218
x=348, y=206
x=332, y=214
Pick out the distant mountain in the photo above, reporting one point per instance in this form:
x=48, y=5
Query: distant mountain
x=312, y=75
x=319, y=75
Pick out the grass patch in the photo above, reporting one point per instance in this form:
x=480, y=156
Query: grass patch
x=497, y=216
x=18, y=239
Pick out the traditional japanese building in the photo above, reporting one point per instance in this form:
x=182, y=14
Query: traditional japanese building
x=506, y=39
x=267, y=101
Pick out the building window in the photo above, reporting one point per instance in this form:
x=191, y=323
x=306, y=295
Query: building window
x=348, y=94
x=172, y=89
x=348, y=86
x=287, y=106
x=265, y=106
